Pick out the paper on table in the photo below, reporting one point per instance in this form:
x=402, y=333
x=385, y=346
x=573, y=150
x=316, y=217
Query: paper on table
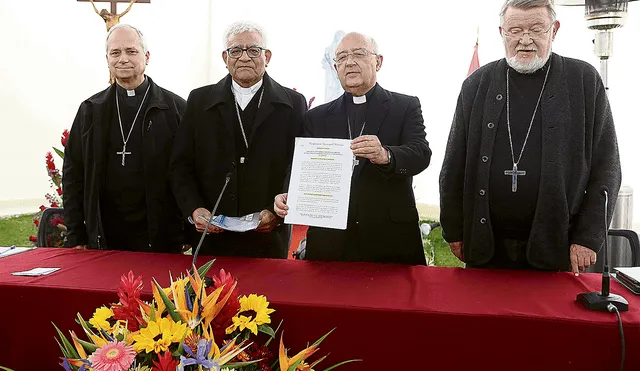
x=12, y=250
x=320, y=183
x=36, y=272
x=631, y=272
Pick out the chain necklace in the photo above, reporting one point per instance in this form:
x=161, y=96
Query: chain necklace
x=244, y=135
x=515, y=173
x=124, y=152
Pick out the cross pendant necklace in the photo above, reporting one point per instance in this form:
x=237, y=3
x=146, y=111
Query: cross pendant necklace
x=514, y=173
x=356, y=162
x=124, y=152
x=244, y=135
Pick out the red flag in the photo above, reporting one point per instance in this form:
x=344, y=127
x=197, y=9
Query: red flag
x=475, y=62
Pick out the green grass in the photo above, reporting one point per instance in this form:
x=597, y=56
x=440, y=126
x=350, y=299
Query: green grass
x=16, y=230
x=437, y=250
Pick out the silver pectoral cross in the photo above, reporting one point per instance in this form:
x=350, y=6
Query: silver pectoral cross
x=514, y=176
x=123, y=153
x=356, y=162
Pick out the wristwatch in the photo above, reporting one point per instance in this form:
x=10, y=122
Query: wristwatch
x=388, y=154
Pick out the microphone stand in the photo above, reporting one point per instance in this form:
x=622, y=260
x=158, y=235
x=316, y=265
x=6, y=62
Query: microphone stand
x=213, y=212
x=603, y=300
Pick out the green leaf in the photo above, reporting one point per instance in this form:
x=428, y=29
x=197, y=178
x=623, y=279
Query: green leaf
x=89, y=347
x=240, y=364
x=6, y=369
x=266, y=329
x=171, y=308
x=324, y=337
x=68, y=350
x=59, y=152
x=202, y=271
x=266, y=344
x=341, y=363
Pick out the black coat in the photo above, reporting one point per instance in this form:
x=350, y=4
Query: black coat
x=205, y=152
x=579, y=155
x=84, y=169
x=385, y=226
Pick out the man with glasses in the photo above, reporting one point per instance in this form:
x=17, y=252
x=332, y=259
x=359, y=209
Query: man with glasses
x=389, y=148
x=244, y=125
x=531, y=148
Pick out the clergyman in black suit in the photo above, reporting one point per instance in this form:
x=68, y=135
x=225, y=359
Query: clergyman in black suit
x=244, y=125
x=390, y=147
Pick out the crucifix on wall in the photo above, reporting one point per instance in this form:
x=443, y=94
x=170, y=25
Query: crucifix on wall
x=112, y=18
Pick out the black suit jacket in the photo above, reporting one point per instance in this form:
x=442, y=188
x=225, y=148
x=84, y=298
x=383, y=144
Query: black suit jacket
x=204, y=152
x=383, y=224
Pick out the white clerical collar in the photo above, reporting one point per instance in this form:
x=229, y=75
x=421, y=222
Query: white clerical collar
x=360, y=100
x=244, y=95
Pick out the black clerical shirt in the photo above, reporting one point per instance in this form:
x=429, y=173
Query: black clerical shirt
x=248, y=115
x=123, y=200
x=512, y=212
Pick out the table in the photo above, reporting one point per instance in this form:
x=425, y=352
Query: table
x=393, y=317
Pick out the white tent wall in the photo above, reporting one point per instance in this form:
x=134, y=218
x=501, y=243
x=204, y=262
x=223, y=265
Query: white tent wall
x=53, y=58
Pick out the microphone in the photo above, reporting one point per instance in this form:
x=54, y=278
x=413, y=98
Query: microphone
x=213, y=213
x=604, y=300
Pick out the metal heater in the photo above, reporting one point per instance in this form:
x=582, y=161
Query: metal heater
x=604, y=16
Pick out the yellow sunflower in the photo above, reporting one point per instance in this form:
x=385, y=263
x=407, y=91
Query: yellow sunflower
x=254, y=311
x=100, y=317
x=158, y=336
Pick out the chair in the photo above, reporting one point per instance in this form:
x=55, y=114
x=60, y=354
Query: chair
x=49, y=235
x=634, y=243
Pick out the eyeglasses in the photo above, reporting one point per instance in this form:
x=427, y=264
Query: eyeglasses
x=252, y=51
x=356, y=54
x=535, y=32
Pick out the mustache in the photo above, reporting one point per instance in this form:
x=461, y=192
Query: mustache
x=527, y=48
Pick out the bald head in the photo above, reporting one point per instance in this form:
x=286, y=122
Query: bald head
x=357, y=62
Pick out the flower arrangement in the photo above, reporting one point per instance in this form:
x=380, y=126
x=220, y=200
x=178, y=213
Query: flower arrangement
x=56, y=237
x=196, y=323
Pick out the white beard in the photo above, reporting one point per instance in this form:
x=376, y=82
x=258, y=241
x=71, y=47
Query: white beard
x=530, y=66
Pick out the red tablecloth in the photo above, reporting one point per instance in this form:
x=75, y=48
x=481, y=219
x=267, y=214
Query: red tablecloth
x=393, y=317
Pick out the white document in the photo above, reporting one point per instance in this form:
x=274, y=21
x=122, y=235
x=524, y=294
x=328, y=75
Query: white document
x=12, y=250
x=36, y=272
x=631, y=272
x=320, y=183
x=236, y=223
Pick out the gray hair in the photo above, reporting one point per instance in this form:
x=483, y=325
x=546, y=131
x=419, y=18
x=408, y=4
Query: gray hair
x=143, y=42
x=528, y=4
x=237, y=28
x=368, y=38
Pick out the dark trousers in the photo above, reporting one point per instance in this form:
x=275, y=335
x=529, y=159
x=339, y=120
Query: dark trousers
x=509, y=253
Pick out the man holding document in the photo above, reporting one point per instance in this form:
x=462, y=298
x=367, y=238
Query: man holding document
x=386, y=147
x=241, y=131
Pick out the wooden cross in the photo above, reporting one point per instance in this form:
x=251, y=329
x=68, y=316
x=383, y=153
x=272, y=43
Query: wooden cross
x=114, y=3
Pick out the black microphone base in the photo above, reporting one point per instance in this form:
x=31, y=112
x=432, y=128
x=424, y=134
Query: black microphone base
x=596, y=301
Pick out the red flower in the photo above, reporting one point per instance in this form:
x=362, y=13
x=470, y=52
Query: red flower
x=65, y=137
x=33, y=239
x=50, y=164
x=42, y=208
x=230, y=309
x=128, y=308
x=57, y=220
x=59, y=190
x=36, y=222
x=165, y=363
x=54, y=204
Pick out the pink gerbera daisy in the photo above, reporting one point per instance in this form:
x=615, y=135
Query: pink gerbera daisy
x=114, y=356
